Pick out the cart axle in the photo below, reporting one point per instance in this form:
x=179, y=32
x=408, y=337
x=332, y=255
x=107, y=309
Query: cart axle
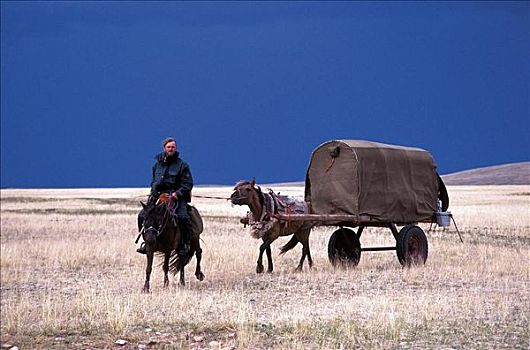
x=377, y=249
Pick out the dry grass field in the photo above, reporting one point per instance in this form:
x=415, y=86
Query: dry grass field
x=70, y=278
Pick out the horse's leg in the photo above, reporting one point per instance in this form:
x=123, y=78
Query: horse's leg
x=198, y=257
x=266, y=247
x=305, y=252
x=148, y=270
x=301, y=263
x=309, y=259
x=181, y=281
x=269, y=259
x=262, y=248
x=304, y=239
x=166, y=269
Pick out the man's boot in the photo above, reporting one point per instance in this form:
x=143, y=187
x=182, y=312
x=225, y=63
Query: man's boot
x=141, y=217
x=185, y=236
x=142, y=249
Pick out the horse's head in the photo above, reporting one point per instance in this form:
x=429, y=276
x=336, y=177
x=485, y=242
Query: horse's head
x=245, y=192
x=155, y=217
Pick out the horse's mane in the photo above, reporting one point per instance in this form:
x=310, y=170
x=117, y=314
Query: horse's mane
x=247, y=182
x=152, y=208
x=241, y=183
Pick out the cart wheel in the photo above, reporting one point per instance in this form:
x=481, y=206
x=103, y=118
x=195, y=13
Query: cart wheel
x=411, y=246
x=344, y=248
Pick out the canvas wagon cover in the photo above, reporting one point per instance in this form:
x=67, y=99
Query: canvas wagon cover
x=375, y=182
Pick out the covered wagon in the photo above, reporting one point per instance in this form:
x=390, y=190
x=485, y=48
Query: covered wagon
x=356, y=183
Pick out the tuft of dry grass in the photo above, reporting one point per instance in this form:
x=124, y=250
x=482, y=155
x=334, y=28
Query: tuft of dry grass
x=70, y=278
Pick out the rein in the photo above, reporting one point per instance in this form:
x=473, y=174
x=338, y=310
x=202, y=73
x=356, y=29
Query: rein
x=210, y=197
x=194, y=196
x=160, y=230
x=163, y=227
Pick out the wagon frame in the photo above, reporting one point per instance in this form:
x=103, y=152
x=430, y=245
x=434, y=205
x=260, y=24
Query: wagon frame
x=344, y=246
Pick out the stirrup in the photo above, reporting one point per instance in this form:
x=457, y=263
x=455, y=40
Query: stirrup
x=142, y=249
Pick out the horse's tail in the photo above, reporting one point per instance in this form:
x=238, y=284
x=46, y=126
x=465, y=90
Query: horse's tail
x=289, y=245
x=176, y=263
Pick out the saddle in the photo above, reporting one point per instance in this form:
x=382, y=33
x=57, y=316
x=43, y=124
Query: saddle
x=276, y=204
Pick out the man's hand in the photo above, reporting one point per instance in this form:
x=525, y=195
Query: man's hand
x=245, y=221
x=174, y=195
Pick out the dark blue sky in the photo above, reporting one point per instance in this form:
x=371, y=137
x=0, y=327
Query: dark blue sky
x=89, y=89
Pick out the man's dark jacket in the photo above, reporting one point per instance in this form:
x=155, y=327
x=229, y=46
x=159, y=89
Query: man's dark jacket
x=171, y=174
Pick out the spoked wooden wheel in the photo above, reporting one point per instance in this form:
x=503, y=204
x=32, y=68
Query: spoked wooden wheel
x=344, y=248
x=411, y=246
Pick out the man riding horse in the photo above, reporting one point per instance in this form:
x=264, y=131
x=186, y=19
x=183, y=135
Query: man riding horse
x=170, y=174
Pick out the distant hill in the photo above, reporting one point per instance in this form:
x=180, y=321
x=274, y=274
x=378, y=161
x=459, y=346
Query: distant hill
x=506, y=174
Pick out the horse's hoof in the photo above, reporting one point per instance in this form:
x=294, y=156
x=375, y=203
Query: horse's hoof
x=200, y=276
x=269, y=270
x=145, y=290
x=259, y=269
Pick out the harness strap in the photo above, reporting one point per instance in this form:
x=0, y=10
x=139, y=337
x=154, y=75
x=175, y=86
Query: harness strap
x=279, y=203
x=139, y=235
x=268, y=203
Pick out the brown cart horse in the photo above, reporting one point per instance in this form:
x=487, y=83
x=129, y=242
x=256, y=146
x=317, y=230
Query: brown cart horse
x=247, y=193
x=161, y=234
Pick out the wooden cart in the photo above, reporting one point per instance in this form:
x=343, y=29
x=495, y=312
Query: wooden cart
x=357, y=184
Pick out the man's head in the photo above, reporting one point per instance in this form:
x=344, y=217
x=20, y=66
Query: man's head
x=170, y=146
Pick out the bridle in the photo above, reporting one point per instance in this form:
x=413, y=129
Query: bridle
x=160, y=230
x=242, y=195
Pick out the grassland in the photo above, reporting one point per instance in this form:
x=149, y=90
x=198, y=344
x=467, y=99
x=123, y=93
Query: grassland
x=70, y=278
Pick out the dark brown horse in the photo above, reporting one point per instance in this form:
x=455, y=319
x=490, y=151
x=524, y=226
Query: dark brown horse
x=270, y=228
x=161, y=234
